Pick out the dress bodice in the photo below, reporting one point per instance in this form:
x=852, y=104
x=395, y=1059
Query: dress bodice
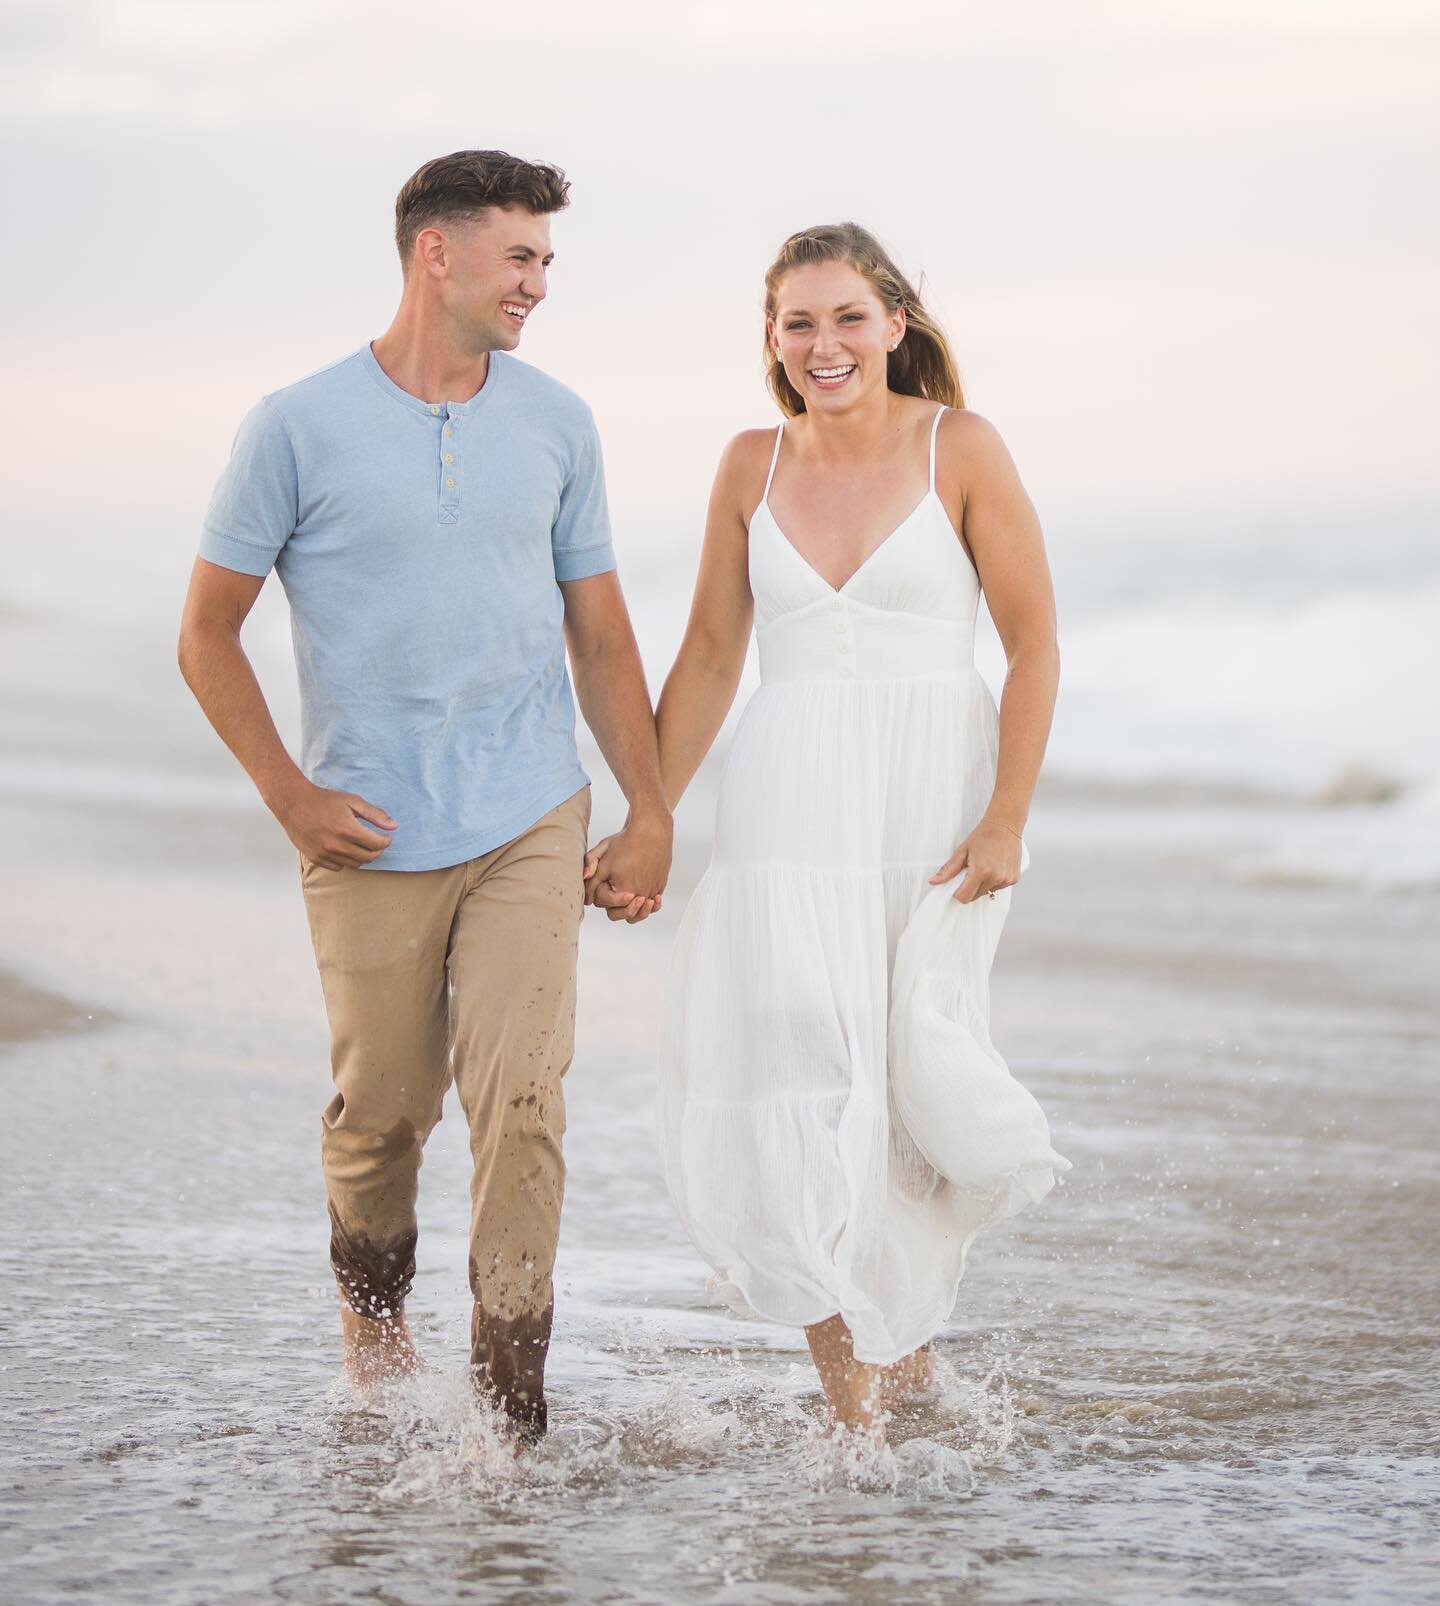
x=908, y=612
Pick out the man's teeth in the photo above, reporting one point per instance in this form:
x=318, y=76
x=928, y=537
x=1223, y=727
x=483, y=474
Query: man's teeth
x=517, y=312
x=831, y=373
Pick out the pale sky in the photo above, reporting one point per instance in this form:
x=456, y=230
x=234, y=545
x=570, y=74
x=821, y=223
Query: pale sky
x=1186, y=252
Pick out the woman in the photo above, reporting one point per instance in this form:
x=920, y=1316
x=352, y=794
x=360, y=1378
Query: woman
x=835, y=1124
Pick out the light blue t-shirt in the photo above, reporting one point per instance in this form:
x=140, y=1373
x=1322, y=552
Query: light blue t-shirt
x=420, y=546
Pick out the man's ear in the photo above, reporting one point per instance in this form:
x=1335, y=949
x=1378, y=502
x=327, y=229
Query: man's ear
x=432, y=251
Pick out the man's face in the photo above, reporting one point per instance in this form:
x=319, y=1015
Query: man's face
x=495, y=276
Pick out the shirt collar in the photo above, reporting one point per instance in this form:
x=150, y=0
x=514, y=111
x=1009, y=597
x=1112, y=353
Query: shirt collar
x=433, y=409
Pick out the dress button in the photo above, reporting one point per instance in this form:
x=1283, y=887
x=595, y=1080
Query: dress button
x=845, y=646
x=838, y=604
x=451, y=484
x=449, y=457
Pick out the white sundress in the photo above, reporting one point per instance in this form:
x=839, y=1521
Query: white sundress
x=835, y=1125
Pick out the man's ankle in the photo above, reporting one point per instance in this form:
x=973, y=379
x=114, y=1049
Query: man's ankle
x=525, y=1418
x=377, y=1347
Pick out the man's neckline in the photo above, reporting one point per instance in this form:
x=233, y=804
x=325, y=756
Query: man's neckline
x=418, y=404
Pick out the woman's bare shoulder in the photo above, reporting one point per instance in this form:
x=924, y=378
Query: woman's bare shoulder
x=969, y=454
x=750, y=446
x=744, y=464
x=967, y=431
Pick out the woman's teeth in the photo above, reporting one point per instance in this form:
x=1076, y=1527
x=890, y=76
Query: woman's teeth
x=831, y=376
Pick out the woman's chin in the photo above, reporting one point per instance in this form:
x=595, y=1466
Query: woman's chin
x=823, y=400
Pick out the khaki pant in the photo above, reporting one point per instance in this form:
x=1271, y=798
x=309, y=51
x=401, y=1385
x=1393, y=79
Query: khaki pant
x=466, y=973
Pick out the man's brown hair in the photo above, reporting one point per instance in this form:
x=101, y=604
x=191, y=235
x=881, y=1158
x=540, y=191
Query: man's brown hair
x=466, y=184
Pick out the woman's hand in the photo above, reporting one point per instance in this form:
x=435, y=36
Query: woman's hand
x=593, y=856
x=990, y=858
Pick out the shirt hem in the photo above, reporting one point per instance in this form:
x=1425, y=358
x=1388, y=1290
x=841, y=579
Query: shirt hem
x=497, y=836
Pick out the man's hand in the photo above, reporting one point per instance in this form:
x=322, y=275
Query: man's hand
x=330, y=828
x=625, y=874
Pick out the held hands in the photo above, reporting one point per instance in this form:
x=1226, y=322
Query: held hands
x=990, y=858
x=335, y=829
x=625, y=874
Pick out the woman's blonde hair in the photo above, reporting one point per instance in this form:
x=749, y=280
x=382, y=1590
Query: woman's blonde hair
x=921, y=365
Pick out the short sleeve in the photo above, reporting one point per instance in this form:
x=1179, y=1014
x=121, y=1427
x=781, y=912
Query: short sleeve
x=253, y=509
x=580, y=538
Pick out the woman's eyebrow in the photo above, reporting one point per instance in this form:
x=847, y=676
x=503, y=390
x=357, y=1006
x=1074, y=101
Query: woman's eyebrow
x=800, y=312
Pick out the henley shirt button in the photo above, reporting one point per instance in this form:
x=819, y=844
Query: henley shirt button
x=449, y=457
x=435, y=410
x=451, y=484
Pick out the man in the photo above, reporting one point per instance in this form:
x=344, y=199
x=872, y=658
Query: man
x=436, y=512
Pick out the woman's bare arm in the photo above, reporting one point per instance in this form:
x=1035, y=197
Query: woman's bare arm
x=1002, y=532
x=701, y=686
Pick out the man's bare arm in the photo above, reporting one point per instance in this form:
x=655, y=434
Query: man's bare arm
x=326, y=827
x=610, y=687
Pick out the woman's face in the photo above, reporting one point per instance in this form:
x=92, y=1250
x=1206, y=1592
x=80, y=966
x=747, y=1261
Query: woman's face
x=832, y=334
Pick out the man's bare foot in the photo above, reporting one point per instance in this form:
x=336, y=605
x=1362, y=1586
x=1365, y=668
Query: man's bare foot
x=377, y=1349
x=507, y=1368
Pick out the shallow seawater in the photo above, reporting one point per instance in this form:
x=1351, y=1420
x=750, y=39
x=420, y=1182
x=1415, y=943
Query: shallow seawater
x=1202, y=1369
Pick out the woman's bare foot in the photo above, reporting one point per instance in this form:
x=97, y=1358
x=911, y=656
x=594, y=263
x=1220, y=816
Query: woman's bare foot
x=377, y=1349
x=854, y=1389
x=861, y=1396
x=908, y=1378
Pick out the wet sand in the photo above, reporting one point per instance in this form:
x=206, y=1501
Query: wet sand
x=1202, y=1369
x=27, y=1012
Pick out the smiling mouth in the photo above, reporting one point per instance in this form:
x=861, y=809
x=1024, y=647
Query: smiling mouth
x=515, y=310
x=830, y=378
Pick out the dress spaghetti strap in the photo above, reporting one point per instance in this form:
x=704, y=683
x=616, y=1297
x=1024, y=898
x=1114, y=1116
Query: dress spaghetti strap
x=934, y=431
x=775, y=458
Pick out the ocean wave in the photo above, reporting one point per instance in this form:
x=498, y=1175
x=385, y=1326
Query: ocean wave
x=1392, y=846
x=1291, y=700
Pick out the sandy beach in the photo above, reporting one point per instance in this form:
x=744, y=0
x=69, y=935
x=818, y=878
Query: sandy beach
x=1200, y=1370
x=28, y=1012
